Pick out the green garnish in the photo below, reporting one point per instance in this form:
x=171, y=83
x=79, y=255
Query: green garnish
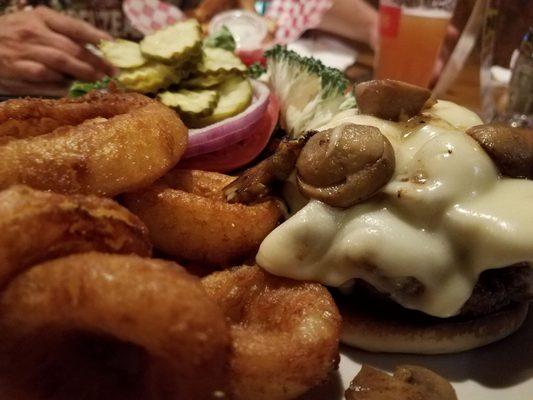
x=79, y=88
x=311, y=91
x=223, y=39
x=256, y=70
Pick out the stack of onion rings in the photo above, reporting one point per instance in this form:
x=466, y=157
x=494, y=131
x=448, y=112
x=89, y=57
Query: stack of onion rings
x=127, y=327
x=285, y=334
x=101, y=144
x=120, y=326
x=189, y=219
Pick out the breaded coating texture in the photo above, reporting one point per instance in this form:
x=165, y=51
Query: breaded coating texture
x=110, y=144
x=189, y=219
x=285, y=333
x=37, y=226
x=101, y=326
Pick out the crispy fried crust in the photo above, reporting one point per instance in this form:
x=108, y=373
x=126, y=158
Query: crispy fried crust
x=285, y=334
x=37, y=226
x=102, y=326
x=22, y=118
x=188, y=218
x=101, y=144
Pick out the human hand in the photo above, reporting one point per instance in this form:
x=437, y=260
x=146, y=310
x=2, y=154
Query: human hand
x=41, y=50
x=352, y=19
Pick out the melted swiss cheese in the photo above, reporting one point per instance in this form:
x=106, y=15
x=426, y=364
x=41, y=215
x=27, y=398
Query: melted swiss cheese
x=445, y=216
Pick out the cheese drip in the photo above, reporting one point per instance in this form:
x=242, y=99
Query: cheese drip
x=445, y=217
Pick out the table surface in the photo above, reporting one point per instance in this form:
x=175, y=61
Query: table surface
x=465, y=90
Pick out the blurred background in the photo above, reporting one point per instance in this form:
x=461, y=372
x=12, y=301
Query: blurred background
x=464, y=50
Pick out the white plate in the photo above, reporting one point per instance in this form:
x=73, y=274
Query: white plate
x=331, y=51
x=500, y=371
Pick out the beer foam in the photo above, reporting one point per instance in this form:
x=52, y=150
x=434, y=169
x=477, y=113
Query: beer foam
x=426, y=12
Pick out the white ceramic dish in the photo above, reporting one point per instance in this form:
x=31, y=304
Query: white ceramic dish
x=500, y=371
x=331, y=51
x=248, y=29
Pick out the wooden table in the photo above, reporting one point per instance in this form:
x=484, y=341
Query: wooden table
x=465, y=90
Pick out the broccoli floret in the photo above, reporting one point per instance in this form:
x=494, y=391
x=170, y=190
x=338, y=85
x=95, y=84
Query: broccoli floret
x=255, y=70
x=310, y=93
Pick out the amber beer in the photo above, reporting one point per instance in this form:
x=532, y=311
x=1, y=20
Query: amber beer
x=410, y=41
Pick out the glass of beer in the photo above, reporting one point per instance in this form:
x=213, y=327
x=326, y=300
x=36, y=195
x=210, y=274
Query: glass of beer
x=411, y=33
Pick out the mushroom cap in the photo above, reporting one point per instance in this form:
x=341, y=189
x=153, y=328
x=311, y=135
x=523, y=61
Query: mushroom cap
x=409, y=382
x=345, y=165
x=511, y=149
x=392, y=100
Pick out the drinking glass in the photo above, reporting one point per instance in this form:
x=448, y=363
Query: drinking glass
x=411, y=33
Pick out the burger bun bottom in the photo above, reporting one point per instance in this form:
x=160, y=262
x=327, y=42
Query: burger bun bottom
x=409, y=332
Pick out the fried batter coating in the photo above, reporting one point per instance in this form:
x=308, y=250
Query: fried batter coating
x=189, y=219
x=37, y=226
x=101, y=144
x=285, y=334
x=100, y=326
x=22, y=118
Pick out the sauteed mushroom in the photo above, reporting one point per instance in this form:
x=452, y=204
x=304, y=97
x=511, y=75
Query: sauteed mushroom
x=255, y=184
x=392, y=100
x=409, y=382
x=345, y=165
x=511, y=149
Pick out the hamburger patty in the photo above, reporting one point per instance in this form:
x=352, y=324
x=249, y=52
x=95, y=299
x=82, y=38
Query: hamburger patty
x=495, y=289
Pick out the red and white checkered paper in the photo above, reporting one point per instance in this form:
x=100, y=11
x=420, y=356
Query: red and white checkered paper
x=293, y=17
x=148, y=16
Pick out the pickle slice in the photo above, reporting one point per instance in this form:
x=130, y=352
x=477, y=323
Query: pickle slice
x=216, y=60
x=235, y=96
x=149, y=78
x=189, y=103
x=122, y=53
x=174, y=44
x=206, y=81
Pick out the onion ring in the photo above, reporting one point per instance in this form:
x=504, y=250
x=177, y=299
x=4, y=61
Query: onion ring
x=285, y=334
x=102, y=326
x=101, y=143
x=188, y=218
x=22, y=118
x=36, y=226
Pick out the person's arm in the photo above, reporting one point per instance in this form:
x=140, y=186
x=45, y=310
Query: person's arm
x=42, y=50
x=352, y=19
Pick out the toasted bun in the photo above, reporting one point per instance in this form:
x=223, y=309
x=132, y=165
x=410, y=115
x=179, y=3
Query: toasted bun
x=372, y=330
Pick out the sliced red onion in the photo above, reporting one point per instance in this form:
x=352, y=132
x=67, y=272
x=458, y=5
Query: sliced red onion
x=232, y=130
